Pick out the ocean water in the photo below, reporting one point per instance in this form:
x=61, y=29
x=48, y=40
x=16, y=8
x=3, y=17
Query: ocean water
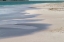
x=27, y=2
x=46, y=0
x=14, y=12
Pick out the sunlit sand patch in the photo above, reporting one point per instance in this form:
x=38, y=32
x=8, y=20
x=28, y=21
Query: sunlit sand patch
x=16, y=19
x=51, y=6
x=12, y=19
x=28, y=14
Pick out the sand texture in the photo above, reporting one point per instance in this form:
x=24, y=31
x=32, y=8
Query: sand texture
x=45, y=25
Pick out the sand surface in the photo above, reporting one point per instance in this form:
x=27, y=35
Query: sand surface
x=46, y=26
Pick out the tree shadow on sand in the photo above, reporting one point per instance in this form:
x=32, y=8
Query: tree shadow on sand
x=22, y=28
x=14, y=30
x=17, y=16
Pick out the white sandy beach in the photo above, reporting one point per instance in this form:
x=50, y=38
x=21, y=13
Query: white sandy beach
x=47, y=26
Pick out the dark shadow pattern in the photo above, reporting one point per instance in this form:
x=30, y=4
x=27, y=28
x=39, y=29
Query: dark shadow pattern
x=21, y=29
x=17, y=16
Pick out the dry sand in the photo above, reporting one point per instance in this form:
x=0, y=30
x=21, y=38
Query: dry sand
x=54, y=33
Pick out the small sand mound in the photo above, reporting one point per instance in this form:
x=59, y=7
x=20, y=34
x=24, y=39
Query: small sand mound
x=51, y=6
x=56, y=6
x=57, y=9
x=57, y=30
